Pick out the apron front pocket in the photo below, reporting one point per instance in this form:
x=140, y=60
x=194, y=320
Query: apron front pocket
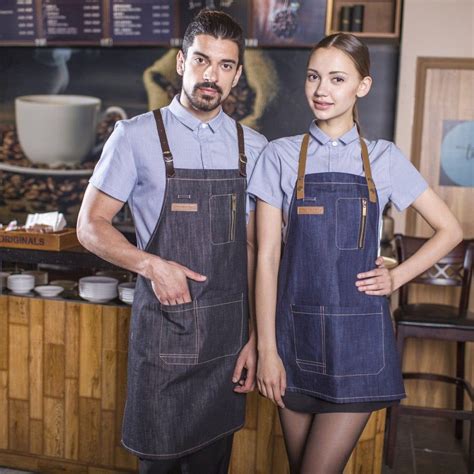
x=351, y=222
x=339, y=341
x=354, y=340
x=220, y=327
x=223, y=217
x=309, y=338
x=178, y=335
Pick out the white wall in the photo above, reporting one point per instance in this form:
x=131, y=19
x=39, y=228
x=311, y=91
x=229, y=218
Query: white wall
x=436, y=28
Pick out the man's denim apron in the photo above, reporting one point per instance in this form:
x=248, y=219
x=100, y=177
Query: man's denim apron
x=336, y=343
x=181, y=359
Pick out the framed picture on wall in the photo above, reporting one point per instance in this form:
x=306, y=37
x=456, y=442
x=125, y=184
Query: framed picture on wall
x=443, y=136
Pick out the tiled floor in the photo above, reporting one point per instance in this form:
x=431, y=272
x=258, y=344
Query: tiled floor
x=424, y=446
x=427, y=446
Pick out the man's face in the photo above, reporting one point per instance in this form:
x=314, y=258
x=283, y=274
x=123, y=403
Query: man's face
x=209, y=71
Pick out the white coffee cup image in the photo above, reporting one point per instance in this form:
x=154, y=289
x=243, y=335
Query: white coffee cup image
x=58, y=128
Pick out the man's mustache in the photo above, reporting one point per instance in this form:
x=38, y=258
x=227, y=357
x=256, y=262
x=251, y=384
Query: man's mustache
x=208, y=85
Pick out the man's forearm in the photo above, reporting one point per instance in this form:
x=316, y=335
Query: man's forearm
x=101, y=238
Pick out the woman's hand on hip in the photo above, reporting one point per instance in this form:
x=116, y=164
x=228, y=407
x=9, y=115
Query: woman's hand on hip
x=377, y=281
x=271, y=377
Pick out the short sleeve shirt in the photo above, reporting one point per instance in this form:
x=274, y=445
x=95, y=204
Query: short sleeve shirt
x=274, y=176
x=131, y=168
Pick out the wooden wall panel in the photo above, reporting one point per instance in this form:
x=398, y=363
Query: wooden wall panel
x=71, y=441
x=54, y=425
x=36, y=358
x=18, y=361
x=3, y=409
x=72, y=339
x=18, y=433
x=18, y=308
x=90, y=323
x=3, y=333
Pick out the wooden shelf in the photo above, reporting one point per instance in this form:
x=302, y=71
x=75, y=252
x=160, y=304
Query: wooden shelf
x=381, y=18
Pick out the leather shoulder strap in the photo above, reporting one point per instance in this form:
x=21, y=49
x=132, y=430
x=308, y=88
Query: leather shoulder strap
x=302, y=167
x=167, y=155
x=242, y=156
x=368, y=171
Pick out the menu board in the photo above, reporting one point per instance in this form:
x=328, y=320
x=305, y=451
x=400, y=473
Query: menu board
x=141, y=21
x=18, y=22
x=72, y=21
x=155, y=22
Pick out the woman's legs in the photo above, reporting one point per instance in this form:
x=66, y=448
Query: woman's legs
x=321, y=443
x=295, y=427
x=330, y=442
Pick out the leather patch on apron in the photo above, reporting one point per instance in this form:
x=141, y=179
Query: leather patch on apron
x=311, y=210
x=184, y=207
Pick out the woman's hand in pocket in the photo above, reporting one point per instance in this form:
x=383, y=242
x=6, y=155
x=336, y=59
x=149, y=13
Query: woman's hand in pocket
x=271, y=377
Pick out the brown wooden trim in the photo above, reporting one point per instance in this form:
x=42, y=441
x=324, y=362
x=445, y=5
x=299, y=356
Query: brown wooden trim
x=423, y=64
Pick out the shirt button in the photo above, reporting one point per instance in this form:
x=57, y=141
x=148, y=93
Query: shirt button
x=334, y=143
x=204, y=125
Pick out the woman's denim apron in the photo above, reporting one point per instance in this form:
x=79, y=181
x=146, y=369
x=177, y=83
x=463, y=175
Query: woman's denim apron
x=336, y=343
x=181, y=358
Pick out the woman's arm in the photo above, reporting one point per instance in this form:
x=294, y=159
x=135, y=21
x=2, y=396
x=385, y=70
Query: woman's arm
x=271, y=377
x=448, y=234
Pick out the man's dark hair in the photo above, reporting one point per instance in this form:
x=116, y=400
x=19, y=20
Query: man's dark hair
x=215, y=23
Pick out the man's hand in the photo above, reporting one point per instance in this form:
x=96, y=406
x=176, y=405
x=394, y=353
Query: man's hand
x=169, y=281
x=247, y=361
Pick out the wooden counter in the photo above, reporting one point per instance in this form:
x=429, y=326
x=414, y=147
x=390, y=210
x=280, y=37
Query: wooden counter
x=62, y=389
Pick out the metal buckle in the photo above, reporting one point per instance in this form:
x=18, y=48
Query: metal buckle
x=167, y=156
x=244, y=160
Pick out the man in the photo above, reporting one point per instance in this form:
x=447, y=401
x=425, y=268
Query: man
x=183, y=171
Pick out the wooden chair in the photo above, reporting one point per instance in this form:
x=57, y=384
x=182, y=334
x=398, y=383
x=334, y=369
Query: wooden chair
x=436, y=321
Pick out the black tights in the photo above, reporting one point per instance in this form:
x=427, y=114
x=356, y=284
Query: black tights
x=320, y=443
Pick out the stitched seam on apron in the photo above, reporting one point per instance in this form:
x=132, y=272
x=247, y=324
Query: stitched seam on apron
x=337, y=220
x=347, y=398
x=194, y=448
x=210, y=219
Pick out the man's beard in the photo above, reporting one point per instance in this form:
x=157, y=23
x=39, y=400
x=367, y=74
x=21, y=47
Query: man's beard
x=201, y=101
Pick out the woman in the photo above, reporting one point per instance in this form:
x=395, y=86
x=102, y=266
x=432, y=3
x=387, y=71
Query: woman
x=327, y=355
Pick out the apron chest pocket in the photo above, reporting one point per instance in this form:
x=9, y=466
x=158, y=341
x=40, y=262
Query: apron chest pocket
x=351, y=223
x=223, y=216
x=202, y=331
x=339, y=341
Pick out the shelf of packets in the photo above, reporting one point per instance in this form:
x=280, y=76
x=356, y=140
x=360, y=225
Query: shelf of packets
x=367, y=19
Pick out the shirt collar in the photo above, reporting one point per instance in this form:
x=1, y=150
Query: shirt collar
x=189, y=120
x=323, y=139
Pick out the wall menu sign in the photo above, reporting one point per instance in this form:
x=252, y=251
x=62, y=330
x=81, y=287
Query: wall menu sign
x=18, y=22
x=72, y=21
x=141, y=21
x=154, y=22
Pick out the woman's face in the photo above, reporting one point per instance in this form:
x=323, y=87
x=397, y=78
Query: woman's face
x=333, y=85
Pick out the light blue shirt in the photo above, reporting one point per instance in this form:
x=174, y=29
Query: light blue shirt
x=275, y=173
x=131, y=167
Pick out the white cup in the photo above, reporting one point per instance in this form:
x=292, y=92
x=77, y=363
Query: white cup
x=58, y=128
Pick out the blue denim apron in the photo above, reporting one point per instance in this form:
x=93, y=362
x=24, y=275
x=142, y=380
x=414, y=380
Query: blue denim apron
x=181, y=359
x=336, y=343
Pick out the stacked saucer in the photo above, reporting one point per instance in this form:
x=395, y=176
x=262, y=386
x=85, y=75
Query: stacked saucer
x=98, y=289
x=49, y=291
x=20, y=284
x=126, y=292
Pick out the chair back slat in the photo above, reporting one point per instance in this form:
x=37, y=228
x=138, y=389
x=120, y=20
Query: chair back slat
x=455, y=269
